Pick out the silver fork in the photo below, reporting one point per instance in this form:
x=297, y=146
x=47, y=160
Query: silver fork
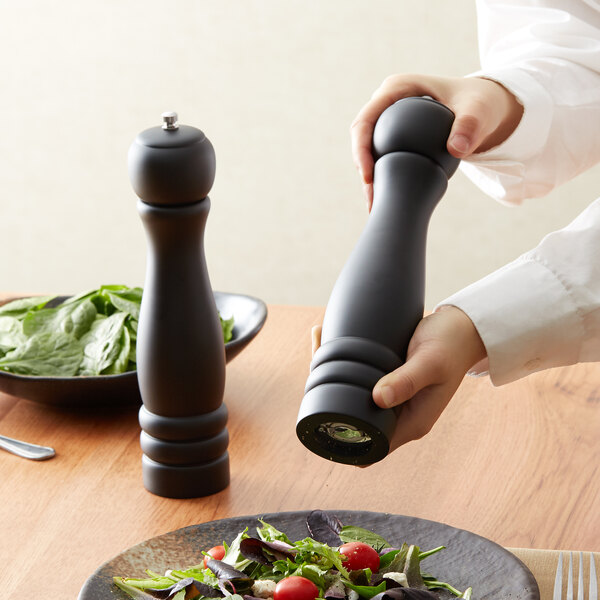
x=593, y=587
x=25, y=449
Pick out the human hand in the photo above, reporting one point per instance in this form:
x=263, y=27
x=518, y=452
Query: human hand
x=444, y=346
x=486, y=113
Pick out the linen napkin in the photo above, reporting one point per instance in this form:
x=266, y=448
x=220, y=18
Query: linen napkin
x=543, y=563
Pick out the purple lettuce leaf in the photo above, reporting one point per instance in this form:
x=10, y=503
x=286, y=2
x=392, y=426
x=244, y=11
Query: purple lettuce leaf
x=266, y=552
x=230, y=579
x=324, y=527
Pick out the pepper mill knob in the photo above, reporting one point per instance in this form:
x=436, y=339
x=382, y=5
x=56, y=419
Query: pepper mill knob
x=418, y=125
x=172, y=164
x=180, y=346
x=378, y=298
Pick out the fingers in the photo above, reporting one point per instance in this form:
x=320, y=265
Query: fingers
x=463, y=137
x=470, y=126
x=368, y=192
x=405, y=382
x=486, y=113
x=315, y=335
x=417, y=417
x=444, y=346
x=361, y=132
x=392, y=89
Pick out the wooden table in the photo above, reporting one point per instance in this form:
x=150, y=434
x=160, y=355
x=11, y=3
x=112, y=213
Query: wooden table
x=517, y=464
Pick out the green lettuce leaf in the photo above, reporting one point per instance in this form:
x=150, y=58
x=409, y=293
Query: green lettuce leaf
x=19, y=308
x=45, y=354
x=351, y=533
x=11, y=334
x=102, y=344
x=104, y=319
x=227, y=327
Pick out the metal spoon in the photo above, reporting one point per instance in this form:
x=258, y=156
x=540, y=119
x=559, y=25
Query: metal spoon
x=25, y=450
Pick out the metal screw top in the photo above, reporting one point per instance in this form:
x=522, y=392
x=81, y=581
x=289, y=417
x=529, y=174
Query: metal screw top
x=170, y=121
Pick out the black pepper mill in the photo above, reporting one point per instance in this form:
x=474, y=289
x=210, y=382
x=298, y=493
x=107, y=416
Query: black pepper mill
x=180, y=347
x=378, y=299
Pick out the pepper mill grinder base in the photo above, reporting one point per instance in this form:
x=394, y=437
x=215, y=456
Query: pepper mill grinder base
x=340, y=422
x=185, y=457
x=186, y=481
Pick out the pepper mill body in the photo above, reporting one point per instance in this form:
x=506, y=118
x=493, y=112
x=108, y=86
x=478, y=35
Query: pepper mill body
x=180, y=347
x=378, y=298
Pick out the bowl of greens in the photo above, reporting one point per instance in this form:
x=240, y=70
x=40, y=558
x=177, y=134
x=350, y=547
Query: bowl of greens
x=342, y=553
x=80, y=351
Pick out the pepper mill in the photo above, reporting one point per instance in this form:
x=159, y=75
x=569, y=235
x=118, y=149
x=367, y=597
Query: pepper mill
x=378, y=298
x=180, y=347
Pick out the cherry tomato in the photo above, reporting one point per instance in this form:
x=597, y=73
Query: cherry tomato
x=295, y=588
x=358, y=555
x=217, y=552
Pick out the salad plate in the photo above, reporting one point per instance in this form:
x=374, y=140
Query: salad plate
x=81, y=392
x=468, y=560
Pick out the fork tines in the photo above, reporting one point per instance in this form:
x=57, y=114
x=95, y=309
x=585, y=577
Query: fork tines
x=558, y=581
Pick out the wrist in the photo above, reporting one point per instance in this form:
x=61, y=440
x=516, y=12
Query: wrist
x=466, y=339
x=510, y=109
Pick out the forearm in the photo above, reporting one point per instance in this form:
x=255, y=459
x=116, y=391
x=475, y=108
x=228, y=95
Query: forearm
x=542, y=310
x=550, y=60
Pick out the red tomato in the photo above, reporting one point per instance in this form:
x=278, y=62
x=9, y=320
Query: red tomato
x=358, y=555
x=217, y=552
x=295, y=588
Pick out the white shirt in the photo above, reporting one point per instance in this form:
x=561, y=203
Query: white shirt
x=542, y=310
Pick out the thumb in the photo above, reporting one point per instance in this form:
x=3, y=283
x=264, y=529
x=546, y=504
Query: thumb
x=469, y=128
x=402, y=384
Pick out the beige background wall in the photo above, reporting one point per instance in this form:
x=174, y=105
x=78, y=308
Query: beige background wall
x=275, y=85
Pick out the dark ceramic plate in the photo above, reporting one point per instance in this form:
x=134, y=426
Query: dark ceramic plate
x=249, y=315
x=468, y=560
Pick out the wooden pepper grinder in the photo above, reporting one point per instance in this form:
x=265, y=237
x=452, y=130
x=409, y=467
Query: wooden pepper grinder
x=180, y=347
x=378, y=299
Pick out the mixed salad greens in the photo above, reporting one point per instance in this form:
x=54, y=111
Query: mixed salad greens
x=93, y=333
x=336, y=561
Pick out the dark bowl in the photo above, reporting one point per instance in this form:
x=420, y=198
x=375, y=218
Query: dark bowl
x=468, y=559
x=249, y=315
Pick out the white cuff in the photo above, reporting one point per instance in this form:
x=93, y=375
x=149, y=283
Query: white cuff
x=526, y=318
x=500, y=171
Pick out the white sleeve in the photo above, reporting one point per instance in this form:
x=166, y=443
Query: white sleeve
x=542, y=310
x=548, y=54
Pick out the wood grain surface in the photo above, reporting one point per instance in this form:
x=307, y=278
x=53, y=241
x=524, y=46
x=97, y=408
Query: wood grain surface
x=517, y=464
